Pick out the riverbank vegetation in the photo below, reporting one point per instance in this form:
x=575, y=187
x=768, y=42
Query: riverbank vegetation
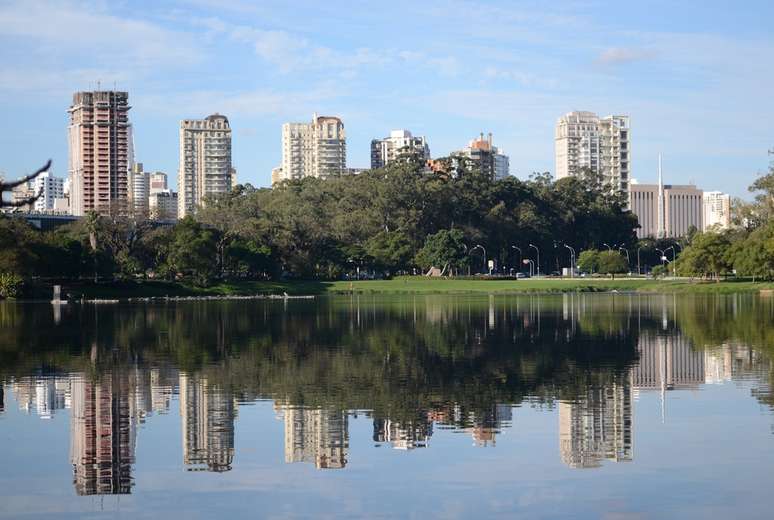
x=379, y=224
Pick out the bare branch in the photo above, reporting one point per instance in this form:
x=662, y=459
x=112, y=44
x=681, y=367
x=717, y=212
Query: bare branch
x=11, y=185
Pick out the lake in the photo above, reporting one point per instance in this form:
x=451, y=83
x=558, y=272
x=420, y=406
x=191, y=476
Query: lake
x=579, y=405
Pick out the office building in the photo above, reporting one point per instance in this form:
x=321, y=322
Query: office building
x=717, y=210
x=399, y=144
x=316, y=149
x=205, y=161
x=666, y=210
x=484, y=155
x=99, y=152
x=603, y=145
x=163, y=205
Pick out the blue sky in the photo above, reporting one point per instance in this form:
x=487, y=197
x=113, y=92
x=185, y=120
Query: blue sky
x=695, y=76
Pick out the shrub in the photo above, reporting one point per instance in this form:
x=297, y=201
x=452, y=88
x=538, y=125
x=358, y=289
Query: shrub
x=10, y=285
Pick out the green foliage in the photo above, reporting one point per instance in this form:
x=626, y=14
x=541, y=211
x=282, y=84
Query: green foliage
x=707, y=256
x=588, y=261
x=444, y=250
x=10, y=285
x=192, y=251
x=611, y=262
x=659, y=270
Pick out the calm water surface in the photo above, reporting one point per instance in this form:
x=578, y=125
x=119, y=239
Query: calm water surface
x=464, y=406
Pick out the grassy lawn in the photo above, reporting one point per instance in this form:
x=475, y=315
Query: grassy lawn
x=401, y=285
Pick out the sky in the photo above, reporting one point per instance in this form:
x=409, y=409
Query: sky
x=694, y=76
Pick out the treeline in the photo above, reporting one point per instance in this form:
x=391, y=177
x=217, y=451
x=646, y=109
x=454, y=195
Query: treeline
x=746, y=249
x=385, y=221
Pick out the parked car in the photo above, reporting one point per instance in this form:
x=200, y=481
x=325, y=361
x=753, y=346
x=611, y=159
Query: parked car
x=521, y=275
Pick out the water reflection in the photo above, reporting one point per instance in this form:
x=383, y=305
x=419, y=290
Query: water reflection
x=413, y=366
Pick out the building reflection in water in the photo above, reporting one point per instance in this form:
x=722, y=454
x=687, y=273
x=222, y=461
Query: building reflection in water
x=208, y=414
x=597, y=427
x=316, y=436
x=102, y=435
x=404, y=435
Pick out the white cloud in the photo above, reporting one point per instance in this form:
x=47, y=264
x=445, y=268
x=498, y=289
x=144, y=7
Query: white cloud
x=59, y=27
x=623, y=55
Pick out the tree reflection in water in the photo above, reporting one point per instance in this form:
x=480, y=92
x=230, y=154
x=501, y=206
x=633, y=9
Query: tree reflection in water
x=414, y=364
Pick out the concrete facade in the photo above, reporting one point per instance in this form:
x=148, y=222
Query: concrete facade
x=205, y=161
x=316, y=149
x=487, y=156
x=717, y=210
x=99, y=152
x=584, y=140
x=399, y=143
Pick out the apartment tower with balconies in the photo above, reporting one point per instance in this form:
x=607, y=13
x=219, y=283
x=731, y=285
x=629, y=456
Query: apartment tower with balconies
x=205, y=161
x=603, y=145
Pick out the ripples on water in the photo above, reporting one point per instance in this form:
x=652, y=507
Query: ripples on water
x=414, y=368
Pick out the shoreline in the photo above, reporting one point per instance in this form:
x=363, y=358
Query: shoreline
x=148, y=291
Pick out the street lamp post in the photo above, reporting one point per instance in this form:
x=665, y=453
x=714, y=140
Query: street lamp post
x=531, y=265
x=674, y=256
x=607, y=246
x=572, y=260
x=517, y=248
x=627, y=257
x=538, y=257
x=639, y=271
x=482, y=249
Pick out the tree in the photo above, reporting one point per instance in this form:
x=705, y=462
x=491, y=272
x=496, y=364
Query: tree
x=612, y=263
x=391, y=250
x=588, y=261
x=707, y=256
x=193, y=251
x=444, y=250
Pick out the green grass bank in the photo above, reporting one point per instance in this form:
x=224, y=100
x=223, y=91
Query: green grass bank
x=401, y=285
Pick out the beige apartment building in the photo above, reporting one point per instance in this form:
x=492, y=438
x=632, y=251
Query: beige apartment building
x=316, y=149
x=585, y=140
x=99, y=152
x=398, y=143
x=205, y=161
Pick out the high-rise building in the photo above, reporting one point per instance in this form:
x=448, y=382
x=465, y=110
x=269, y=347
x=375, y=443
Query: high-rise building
x=717, y=210
x=139, y=190
x=163, y=205
x=100, y=152
x=205, y=161
x=486, y=156
x=603, y=145
x=400, y=143
x=316, y=149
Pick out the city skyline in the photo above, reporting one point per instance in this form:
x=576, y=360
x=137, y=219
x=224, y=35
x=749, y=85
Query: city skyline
x=525, y=75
